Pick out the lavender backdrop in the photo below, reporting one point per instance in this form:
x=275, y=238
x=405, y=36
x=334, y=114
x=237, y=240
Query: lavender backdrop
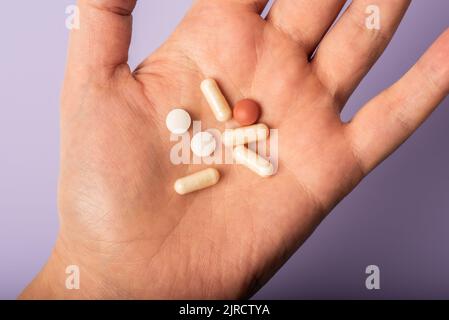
x=397, y=219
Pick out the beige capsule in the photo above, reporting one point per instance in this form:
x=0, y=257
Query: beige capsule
x=244, y=135
x=253, y=161
x=197, y=181
x=216, y=100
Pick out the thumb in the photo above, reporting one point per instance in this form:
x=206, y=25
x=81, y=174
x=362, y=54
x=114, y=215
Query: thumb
x=101, y=41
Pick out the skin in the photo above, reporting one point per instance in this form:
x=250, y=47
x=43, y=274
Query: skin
x=121, y=221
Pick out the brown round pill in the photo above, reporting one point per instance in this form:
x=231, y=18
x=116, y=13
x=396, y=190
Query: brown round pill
x=246, y=112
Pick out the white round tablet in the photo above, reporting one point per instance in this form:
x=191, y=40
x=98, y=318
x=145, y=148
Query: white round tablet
x=178, y=121
x=203, y=144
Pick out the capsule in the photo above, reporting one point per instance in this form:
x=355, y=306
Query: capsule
x=253, y=161
x=216, y=100
x=244, y=135
x=197, y=181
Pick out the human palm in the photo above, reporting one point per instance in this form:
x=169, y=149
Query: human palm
x=121, y=220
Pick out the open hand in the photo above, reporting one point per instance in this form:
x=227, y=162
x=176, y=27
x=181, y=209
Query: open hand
x=122, y=222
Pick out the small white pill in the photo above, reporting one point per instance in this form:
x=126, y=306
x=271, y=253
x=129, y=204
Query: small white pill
x=178, y=121
x=197, y=181
x=253, y=161
x=244, y=135
x=216, y=100
x=203, y=144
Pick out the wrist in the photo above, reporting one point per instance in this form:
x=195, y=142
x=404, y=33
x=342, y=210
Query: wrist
x=64, y=276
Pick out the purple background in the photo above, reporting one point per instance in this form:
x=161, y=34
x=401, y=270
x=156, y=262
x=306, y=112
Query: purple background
x=397, y=219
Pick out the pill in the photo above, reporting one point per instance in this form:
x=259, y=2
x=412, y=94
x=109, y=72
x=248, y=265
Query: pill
x=178, y=121
x=203, y=144
x=244, y=135
x=246, y=112
x=253, y=161
x=197, y=181
x=216, y=100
